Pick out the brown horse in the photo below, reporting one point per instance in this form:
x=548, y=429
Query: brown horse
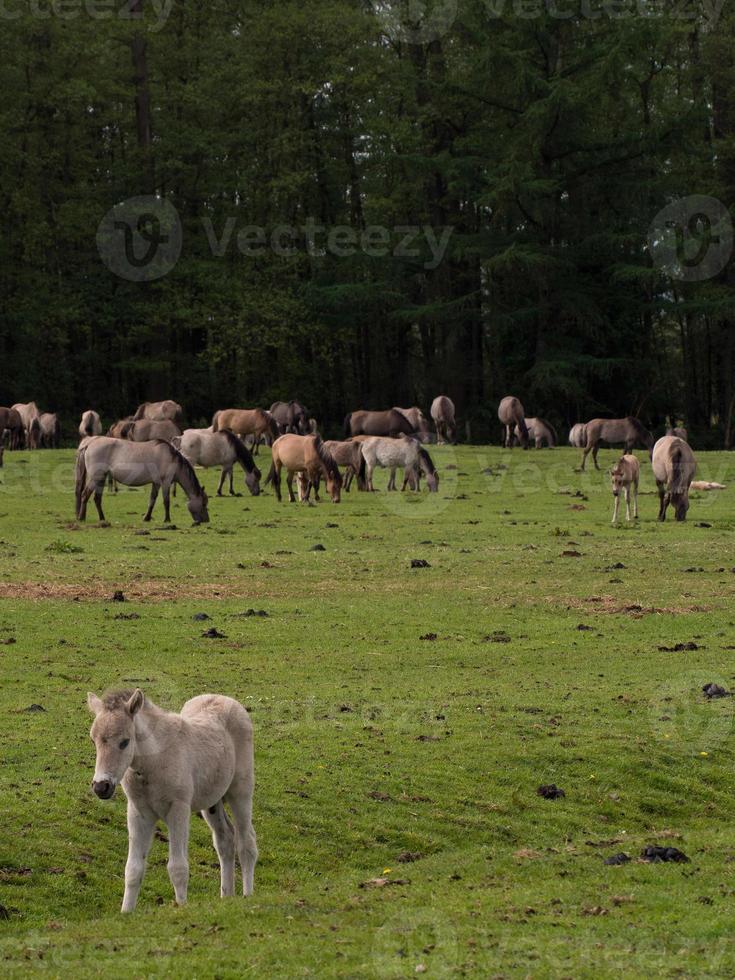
x=119, y=429
x=349, y=454
x=50, y=430
x=145, y=429
x=511, y=415
x=418, y=420
x=629, y=431
x=11, y=424
x=674, y=467
x=538, y=430
x=246, y=422
x=389, y=423
x=304, y=454
x=442, y=414
x=160, y=412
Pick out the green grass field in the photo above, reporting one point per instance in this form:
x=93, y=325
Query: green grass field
x=397, y=711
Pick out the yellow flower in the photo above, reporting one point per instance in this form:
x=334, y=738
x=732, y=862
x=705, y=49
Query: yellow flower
x=704, y=753
x=387, y=871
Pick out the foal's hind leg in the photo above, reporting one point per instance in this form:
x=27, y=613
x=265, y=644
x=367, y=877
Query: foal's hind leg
x=224, y=843
x=240, y=798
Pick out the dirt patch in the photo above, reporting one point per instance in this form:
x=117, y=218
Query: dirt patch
x=141, y=591
x=612, y=605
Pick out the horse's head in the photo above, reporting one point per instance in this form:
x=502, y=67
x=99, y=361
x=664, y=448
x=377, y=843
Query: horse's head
x=432, y=482
x=617, y=479
x=252, y=481
x=113, y=733
x=198, y=507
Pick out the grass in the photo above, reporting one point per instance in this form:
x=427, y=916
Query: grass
x=371, y=741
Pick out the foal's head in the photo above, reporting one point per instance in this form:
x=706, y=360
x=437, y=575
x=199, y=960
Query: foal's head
x=113, y=733
x=617, y=478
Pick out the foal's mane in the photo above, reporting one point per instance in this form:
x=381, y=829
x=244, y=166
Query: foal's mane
x=427, y=460
x=114, y=700
x=327, y=459
x=241, y=451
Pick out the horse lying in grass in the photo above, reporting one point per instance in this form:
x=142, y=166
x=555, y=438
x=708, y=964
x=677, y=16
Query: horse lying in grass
x=674, y=467
x=625, y=476
x=512, y=417
x=170, y=765
x=304, y=454
x=402, y=452
x=136, y=464
x=629, y=431
x=205, y=448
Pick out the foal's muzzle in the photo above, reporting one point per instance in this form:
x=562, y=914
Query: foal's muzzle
x=104, y=789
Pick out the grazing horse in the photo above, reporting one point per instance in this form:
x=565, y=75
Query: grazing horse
x=11, y=424
x=442, y=414
x=170, y=765
x=290, y=417
x=629, y=431
x=674, y=467
x=145, y=430
x=418, y=420
x=136, y=464
x=28, y=413
x=160, y=412
x=120, y=429
x=91, y=425
x=50, y=437
x=578, y=435
x=679, y=431
x=512, y=416
x=204, y=448
x=246, y=422
x=388, y=423
x=304, y=454
x=349, y=454
x=538, y=430
x=394, y=453
x=625, y=476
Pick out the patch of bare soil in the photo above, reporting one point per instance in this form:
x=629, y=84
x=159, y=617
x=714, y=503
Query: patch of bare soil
x=137, y=591
x=611, y=605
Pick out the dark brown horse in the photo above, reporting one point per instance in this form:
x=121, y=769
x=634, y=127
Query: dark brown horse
x=388, y=423
x=629, y=431
x=511, y=415
x=11, y=425
x=291, y=417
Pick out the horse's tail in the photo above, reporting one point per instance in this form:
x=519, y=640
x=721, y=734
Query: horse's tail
x=273, y=427
x=81, y=476
x=524, y=429
x=348, y=425
x=126, y=430
x=678, y=476
x=215, y=422
x=361, y=469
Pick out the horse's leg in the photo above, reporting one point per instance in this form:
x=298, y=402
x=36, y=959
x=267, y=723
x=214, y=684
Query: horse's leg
x=166, y=490
x=316, y=483
x=635, y=500
x=662, y=502
x=615, y=510
x=392, y=478
x=233, y=493
x=289, y=484
x=240, y=798
x=98, y=491
x=140, y=835
x=594, y=455
x=277, y=480
x=369, y=476
x=177, y=821
x=224, y=844
x=86, y=494
x=222, y=476
x=587, y=451
x=627, y=502
x=152, y=501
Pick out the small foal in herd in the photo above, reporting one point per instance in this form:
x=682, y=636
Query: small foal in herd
x=625, y=476
x=170, y=765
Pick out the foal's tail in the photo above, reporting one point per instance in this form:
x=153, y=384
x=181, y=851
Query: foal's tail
x=215, y=422
x=362, y=470
x=81, y=476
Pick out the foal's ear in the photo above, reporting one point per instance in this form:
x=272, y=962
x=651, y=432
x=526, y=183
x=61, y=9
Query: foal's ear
x=94, y=703
x=136, y=701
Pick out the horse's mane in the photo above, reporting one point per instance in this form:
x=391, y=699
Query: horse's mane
x=427, y=460
x=117, y=699
x=182, y=461
x=242, y=452
x=327, y=459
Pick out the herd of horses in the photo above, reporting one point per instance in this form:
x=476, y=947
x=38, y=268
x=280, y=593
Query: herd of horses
x=151, y=447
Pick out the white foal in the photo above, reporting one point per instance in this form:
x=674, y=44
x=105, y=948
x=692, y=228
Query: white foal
x=169, y=765
x=625, y=475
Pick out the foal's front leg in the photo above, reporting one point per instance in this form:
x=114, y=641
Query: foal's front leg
x=140, y=835
x=177, y=821
x=635, y=500
x=224, y=843
x=627, y=502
